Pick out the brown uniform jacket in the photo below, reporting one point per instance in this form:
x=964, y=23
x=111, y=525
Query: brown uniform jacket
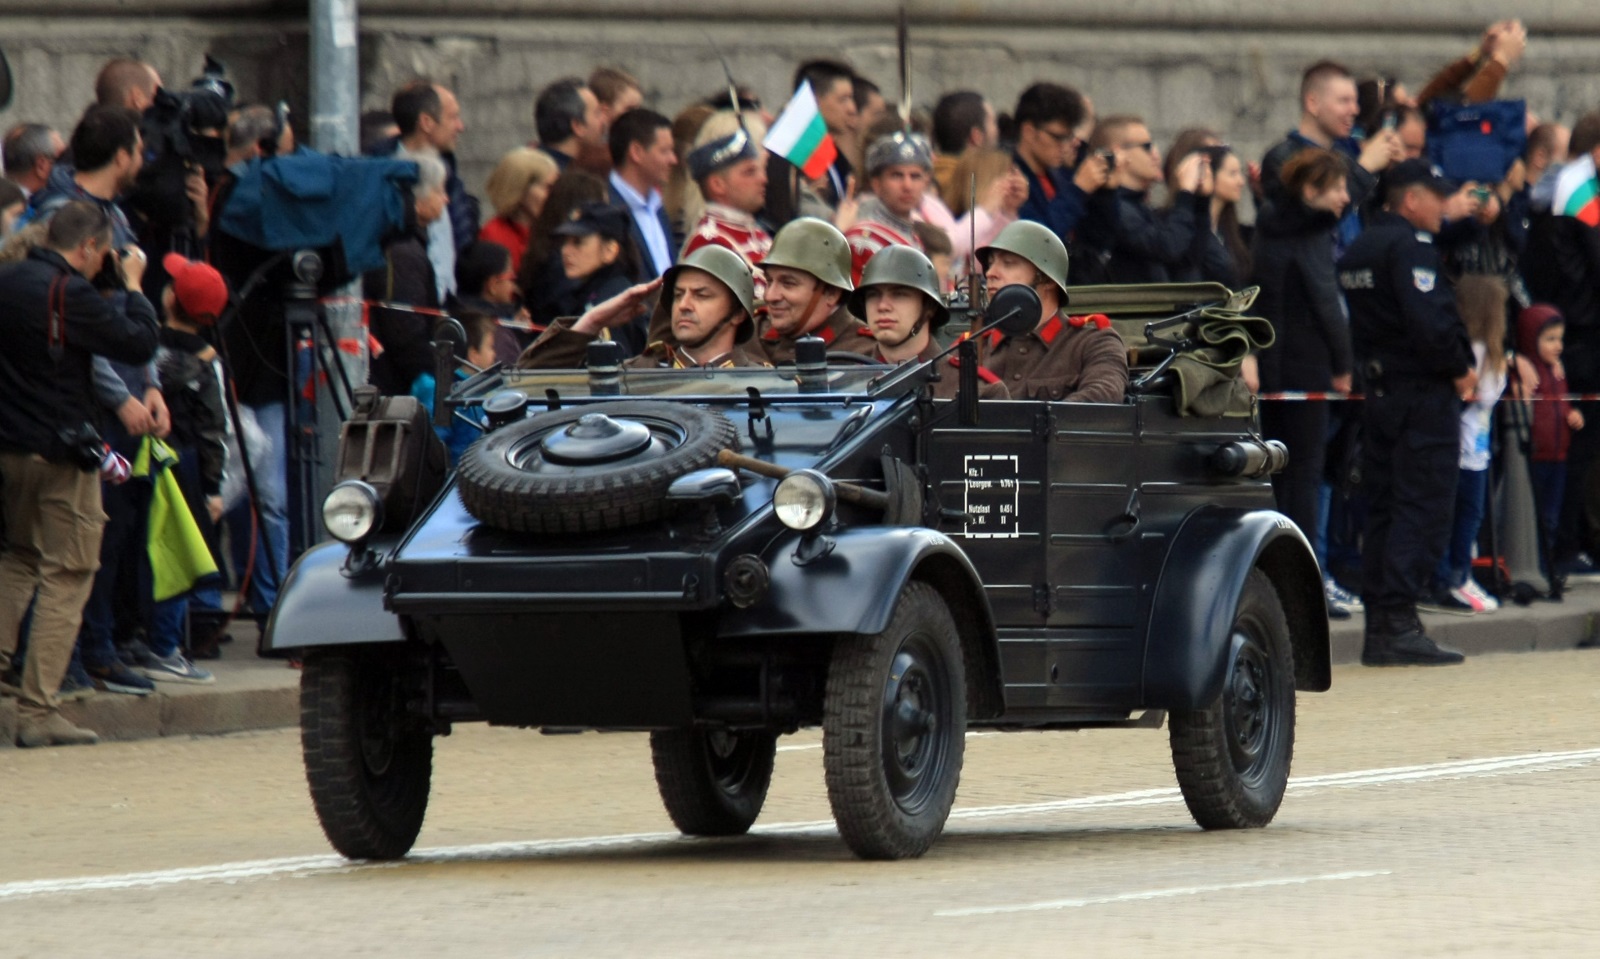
x=1062, y=362
x=949, y=381
x=843, y=333
x=559, y=348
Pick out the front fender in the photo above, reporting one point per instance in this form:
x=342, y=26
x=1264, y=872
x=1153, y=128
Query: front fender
x=321, y=605
x=1198, y=592
x=853, y=588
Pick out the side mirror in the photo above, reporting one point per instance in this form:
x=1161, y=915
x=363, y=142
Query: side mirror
x=5, y=81
x=1016, y=310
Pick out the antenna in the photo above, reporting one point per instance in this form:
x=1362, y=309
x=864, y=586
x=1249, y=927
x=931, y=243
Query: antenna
x=974, y=281
x=902, y=36
x=727, y=71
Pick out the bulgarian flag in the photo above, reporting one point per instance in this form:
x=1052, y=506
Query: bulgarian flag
x=800, y=136
x=1577, y=192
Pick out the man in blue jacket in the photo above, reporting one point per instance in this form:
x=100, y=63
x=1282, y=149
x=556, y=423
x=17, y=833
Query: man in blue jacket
x=54, y=322
x=1048, y=116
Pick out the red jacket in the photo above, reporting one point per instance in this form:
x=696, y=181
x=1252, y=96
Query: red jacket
x=1551, y=436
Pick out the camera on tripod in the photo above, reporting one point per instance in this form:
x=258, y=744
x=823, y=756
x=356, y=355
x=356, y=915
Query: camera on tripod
x=183, y=132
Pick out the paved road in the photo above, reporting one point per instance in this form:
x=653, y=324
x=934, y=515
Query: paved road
x=1433, y=813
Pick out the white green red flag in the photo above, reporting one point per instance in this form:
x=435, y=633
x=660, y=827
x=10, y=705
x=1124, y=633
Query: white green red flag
x=800, y=136
x=1577, y=192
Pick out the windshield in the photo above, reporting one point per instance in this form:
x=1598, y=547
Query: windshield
x=724, y=382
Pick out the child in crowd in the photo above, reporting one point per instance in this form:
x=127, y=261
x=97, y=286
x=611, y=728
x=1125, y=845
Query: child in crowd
x=1481, y=301
x=481, y=331
x=1541, y=378
x=191, y=384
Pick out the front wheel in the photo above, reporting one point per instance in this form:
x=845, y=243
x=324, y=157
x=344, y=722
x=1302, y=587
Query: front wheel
x=893, y=729
x=713, y=781
x=1232, y=758
x=369, y=765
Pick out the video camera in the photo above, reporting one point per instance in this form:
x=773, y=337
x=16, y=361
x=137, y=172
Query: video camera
x=183, y=131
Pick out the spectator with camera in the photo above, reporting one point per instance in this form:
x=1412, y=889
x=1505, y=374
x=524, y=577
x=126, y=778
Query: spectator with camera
x=55, y=322
x=1048, y=118
x=1136, y=245
x=1328, y=111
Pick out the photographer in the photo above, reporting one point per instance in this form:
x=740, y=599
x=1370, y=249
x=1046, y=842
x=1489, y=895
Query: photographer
x=54, y=322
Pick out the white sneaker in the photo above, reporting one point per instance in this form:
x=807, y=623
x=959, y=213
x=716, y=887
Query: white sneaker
x=176, y=669
x=1484, y=601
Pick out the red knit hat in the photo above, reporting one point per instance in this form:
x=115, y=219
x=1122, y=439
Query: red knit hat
x=198, y=287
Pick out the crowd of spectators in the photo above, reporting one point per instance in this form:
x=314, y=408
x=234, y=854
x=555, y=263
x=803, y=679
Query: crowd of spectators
x=610, y=194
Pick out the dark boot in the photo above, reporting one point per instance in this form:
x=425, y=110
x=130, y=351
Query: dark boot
x=1394, y=637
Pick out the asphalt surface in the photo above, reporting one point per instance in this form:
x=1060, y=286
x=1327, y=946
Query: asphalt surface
x=1432, y=812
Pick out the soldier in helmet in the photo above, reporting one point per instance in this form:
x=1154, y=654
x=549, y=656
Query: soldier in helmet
x=1063, y=358
x=808, y=279
x=899, y=169
x=704, y=321
x=898, y=298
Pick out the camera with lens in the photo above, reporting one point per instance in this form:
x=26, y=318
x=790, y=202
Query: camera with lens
x=183, y=131
x=79, y=446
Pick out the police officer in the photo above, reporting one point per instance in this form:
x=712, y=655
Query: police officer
x=1417, y=364
x=1064, y=358
x=808, y=279
x=899, y=301
x=704, y=319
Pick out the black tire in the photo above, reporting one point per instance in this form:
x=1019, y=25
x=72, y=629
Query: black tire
x=506, y=481
x=713, y=782
x=369, y=770
x=1232, y=758
x=894, y=722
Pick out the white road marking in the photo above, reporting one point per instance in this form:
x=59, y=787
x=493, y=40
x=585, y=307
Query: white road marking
x=1156, y=894
x=327, y=864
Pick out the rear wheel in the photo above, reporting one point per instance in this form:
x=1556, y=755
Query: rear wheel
x=713, y=781
x=368, y=764
x=893, y=729
x=1232, y=758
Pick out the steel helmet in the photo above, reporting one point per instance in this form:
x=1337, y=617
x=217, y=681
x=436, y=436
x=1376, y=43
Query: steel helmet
x=812, y=246
x=1037, y=244
x=730, y=270
x=901, y=266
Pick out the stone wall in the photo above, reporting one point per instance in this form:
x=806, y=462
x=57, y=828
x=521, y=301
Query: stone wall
x=1230, y=64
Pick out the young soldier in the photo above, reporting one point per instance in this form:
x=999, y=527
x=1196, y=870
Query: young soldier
x=899, y=169
x=1063, y=358
x=899, y=301
x=808, y=279
x=705, y=321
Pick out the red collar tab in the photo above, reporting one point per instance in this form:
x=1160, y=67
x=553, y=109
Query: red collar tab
x=826, y=334
x=1051, y=330
x=984, y=373
x=1098, y=320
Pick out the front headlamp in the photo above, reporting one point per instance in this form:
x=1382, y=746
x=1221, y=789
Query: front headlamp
x=804, y=500
x=352, y=511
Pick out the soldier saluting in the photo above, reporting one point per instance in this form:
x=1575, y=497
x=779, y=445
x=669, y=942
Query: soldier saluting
x=1417, y=364
x=703, y=319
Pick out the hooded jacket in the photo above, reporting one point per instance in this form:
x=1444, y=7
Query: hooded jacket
x=1551, y=437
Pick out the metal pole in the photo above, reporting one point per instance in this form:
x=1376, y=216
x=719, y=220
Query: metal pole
x=335, y=129
x=335, y=77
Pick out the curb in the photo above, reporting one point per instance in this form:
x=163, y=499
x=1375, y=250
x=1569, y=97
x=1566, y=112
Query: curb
x=253, y=693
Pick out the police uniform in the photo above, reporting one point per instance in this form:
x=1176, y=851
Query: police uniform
x=1411, y=347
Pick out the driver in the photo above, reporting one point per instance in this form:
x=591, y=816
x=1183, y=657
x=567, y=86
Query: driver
x=898, y=298
x=1063, y=358
x=703, y=322
x=808, y=279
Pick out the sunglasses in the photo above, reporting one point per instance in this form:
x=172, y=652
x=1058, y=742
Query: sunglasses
x=1147, y=146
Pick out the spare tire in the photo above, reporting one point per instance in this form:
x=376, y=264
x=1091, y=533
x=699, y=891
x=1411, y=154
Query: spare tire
x=587, y=468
